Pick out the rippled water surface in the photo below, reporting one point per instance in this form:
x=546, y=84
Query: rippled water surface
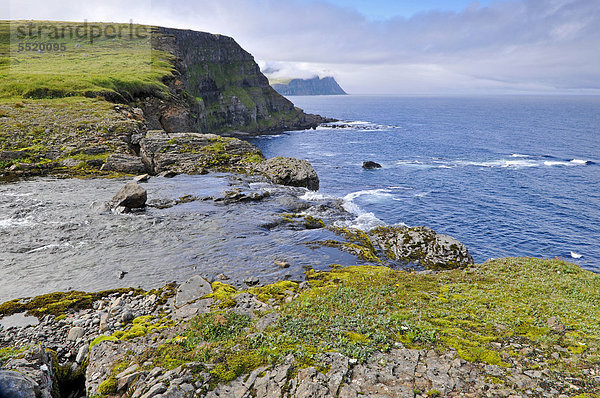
x=56, y=235
x=507, y=176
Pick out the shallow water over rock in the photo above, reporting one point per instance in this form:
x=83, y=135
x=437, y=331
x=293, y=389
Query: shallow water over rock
x=57, y=235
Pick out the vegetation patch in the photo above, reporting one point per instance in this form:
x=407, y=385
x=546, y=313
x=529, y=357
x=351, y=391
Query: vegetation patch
x=58, y=303
x=481, y=313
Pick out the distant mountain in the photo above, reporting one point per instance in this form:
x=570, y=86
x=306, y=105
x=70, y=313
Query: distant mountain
x=314, y=86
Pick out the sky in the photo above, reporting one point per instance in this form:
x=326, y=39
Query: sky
x=411, y=47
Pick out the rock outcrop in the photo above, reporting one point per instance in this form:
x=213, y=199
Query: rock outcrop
x=290, y=171
x=31, y=375
x=421, y=244
x=368, y=165
x=194, y=153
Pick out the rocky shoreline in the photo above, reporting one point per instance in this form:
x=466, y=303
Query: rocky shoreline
x=128, y=344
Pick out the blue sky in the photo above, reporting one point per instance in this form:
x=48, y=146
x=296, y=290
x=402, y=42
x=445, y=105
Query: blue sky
x=385, y=47
x=384, y=9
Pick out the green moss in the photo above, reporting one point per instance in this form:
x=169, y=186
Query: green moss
x=223, y=294
x=433, y=393
x=277, y=291
x=102, y=338
x=10, y=352
x=58, y=303
x=108, y=386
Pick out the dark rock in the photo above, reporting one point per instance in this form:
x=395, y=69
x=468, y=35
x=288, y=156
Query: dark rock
x=131, y=196
x=15, y=385
x=421, y=243
x=141, y=178
x=168, y=174
x=11, y=155
x=71, y=162
x=124, y=163
x=290, y=171
x=368, y=165
x=251, y=281
x=281, y=263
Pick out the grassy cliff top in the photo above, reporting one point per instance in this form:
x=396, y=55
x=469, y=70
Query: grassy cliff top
x=63, y=59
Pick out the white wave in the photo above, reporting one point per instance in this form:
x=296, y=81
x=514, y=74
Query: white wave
x=50, y=246
x=579, y=161
x=312, y=195
x=445, y=167
x=576, y=255
x=17, y=222
x=365, y=222
x=368, y=192
x=400, y=187
x=518, y=155
x=422, y=194
x=557, y=163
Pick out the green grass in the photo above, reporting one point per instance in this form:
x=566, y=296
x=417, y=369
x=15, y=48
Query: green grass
x=114, y=68
x=480, y=313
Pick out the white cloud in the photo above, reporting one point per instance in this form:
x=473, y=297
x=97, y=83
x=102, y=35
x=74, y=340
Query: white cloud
x=515, y=45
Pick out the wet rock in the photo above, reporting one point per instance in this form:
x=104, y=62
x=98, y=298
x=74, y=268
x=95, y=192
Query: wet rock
x=141, y=178
x=290, y=171
x=124, y=163
x=369, y=165
x=421, y=244
x=168, y=174
x=131, y=196
x=281, y=263
x=223, y=277
x=251, y=281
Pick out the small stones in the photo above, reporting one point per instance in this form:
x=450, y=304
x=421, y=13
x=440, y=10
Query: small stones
x=222, y=277
x=251, y=281
x=554, y=323
x=127, y=317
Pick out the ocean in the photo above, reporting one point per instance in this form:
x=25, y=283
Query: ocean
x=505, y=175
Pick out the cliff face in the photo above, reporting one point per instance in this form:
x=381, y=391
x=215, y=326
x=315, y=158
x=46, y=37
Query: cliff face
x=314, y=86
x=218, y=88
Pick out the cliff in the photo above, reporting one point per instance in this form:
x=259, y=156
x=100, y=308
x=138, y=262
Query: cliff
x=67, y=108
x=222, y=88
x=314, y=86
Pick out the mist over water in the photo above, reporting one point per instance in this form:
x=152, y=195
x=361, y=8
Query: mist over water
x=507, y=176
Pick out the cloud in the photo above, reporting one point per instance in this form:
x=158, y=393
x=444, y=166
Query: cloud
x=515, y=45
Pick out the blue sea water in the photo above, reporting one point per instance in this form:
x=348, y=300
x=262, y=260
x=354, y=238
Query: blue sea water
x=507, y=176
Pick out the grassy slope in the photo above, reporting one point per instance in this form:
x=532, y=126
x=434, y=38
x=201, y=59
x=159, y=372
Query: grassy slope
x=486, y=313
x=111, y=67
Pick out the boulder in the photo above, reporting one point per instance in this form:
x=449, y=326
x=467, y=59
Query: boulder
x=290, y=171
x=15, y=385
x=30, y=375
x=368, y=165
x=191, y=290
x=131, y=196
x=124, y=163
x=421, y=244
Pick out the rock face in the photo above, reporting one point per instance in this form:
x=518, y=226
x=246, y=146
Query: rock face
x=224, y=88
x=423, y=244
x=192, y=153
x=368, y=165
x=124, y=163
x=131, y=196
x=290, y=171
x=315, y=86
